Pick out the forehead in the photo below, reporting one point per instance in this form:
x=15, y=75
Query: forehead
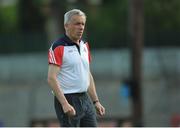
x=78, y=18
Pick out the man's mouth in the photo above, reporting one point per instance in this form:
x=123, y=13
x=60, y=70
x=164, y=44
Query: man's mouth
x=80, y=33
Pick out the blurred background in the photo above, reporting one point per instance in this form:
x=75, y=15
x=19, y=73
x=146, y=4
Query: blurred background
x=135, y=60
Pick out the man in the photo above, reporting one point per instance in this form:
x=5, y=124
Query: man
x=70, y=78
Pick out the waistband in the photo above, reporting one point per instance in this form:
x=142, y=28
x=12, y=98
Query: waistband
x=76, y=94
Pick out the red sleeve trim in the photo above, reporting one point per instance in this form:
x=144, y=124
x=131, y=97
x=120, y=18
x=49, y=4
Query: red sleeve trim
x=89, y=53
x=56, y=56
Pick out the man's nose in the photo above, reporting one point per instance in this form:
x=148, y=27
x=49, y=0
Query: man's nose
x=81, y=27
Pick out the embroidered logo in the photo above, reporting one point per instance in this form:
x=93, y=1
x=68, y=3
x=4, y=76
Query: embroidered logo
x=70, y=51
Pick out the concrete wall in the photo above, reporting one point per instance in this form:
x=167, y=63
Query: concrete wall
x=25, y=95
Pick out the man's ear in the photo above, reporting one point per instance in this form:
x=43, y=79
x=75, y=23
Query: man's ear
x=65, y=26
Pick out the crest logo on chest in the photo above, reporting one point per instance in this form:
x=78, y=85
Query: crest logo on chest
x=70, y=51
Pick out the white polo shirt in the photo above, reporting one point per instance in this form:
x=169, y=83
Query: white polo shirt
x=73, y=61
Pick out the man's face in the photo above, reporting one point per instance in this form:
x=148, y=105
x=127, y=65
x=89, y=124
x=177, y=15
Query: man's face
x=75, y=27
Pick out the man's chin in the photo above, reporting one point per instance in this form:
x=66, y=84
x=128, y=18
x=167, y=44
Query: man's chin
x=79, y=36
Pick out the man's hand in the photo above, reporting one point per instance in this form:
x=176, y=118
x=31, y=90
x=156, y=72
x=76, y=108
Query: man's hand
x=99, y=109
x=69, y=110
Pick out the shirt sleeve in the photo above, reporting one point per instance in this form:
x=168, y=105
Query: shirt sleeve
x=55, y=56
x=89, y=53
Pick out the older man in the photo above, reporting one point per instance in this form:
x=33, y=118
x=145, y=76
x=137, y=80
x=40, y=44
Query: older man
x=69, y=75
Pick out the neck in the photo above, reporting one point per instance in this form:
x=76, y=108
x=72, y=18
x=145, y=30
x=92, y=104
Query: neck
x=72, y=39
x=76, y=41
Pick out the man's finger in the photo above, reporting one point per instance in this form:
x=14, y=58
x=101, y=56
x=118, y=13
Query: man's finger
x=102, y=111
x=71, y=112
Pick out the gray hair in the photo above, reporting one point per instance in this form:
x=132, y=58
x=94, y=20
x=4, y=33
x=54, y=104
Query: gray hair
x=68, y=15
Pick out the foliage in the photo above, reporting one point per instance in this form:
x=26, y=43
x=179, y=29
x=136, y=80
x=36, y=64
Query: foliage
x=162, y=22
x=107, y=24
x=8, y=19
x=162, y=14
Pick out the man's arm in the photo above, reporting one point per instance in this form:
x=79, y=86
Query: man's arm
x=92, y=93
x=53, y=83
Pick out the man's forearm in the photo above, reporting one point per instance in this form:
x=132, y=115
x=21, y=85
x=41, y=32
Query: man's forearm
x=57, y=90
x=67, y=108
x=92, y=90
